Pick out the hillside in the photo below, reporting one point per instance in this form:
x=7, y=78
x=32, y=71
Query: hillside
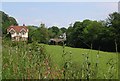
x=78, y=57
x=77, y=53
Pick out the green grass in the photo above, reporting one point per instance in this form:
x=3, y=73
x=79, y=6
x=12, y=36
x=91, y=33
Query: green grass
x=78, y=58
x=57, y=51
x=24, y=61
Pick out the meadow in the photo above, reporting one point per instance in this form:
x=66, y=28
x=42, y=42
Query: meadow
x=42, y=61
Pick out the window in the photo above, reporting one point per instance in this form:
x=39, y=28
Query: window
x=12, y=32
x=23, y=33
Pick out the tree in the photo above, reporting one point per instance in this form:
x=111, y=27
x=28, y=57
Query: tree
x=39, y=34
x=113, y=21
x=86, y=22
x=6, y=22
x=44, y=36
x=75, y=34
x=63, y=29
x=91, y=32
x=31, y=33
x=69, y=37
x=55, y=30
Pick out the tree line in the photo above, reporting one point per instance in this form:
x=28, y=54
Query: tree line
x=92, y=34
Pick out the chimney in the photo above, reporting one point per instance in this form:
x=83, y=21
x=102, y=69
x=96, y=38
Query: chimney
x=23, y=24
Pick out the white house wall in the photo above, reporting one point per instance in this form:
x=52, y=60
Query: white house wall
x=25, y=35
x=13, y=35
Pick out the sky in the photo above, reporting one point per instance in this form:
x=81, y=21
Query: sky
x=59, y=14
x=59, y=0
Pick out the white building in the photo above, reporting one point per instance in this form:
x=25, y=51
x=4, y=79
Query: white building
x=63, y=36
x=18, y=33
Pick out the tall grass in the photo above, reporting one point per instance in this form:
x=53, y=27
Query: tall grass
x=88, y=69
x=21, y=60
x=31, y=61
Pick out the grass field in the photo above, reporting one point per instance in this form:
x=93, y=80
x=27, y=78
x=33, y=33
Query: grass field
x=78, y=57
x=40, y=61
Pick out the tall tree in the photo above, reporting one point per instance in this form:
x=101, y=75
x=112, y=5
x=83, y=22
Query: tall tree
x=114, y=24
x=76, y=34
x=31, y=33
x=39, y=34
x=91, y=32
x=63, y=29
x=69, y=35
x=55, y=30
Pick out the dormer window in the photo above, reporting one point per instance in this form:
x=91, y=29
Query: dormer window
x=22, y=32
x=12, y=32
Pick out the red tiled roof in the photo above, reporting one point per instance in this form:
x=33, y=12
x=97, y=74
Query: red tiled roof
x=18, y=28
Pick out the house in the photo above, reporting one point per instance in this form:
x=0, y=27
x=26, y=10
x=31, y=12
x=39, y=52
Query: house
x=56, y=41
x=61, y=39
x=63, y=36
x=18, y=33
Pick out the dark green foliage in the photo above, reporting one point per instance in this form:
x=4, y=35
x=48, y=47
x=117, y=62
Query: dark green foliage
x=63, y=29
x=55, y=31
x=103, y=35
x=41, y=35
x=6, y=22
x=114, y=24
x=31, y=33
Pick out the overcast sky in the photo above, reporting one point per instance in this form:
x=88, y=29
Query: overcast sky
x=58, y=13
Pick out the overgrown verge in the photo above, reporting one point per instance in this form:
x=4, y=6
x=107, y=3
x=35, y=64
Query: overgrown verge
x=31, y=61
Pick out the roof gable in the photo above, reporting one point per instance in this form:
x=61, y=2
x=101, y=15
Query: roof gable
x=18, y=28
